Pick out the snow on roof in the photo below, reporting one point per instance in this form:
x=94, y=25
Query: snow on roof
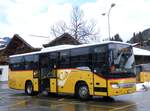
x=60, y=47
x=63, y=47
x=141, y=52
x=35, y=41
x=136, y=51
x=2, y=40
x=135, y=44
x=2, y=48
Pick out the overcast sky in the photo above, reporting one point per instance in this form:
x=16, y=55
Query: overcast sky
x=37, y=16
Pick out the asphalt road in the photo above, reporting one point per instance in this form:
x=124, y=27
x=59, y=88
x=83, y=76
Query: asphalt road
x=12, y=100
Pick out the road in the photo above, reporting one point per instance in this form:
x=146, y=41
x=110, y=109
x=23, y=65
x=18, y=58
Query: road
x=13, y=100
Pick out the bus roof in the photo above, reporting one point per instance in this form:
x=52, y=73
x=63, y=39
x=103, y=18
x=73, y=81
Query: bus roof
x=63, y=47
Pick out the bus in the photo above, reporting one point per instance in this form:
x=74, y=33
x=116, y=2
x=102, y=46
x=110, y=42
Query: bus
x=100, y=69
x=143, y=73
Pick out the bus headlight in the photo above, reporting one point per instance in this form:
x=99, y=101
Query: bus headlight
x=115, y=86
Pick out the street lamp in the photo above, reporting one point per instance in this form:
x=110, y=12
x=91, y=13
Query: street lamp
x=108, y=16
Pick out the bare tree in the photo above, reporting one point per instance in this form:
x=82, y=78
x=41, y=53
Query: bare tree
x=59, y=29
x=80, y=29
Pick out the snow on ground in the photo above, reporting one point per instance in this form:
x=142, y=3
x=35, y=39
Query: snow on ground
x=143, y=86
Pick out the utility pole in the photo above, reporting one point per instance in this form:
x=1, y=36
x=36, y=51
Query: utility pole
x=108, y=17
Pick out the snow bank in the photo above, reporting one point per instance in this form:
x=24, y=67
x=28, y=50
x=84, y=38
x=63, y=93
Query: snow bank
x=143, y=86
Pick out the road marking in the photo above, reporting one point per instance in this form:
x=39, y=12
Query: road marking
x=61, y=99
x=102, y=106
x=12, y=105
x=60, y=102
x=55, y=106
x=51, y=107
x=4, y=96
x=127, y=106
x=123, y=107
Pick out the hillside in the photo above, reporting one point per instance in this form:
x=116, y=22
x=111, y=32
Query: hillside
x=4, y=41
x=143, y=38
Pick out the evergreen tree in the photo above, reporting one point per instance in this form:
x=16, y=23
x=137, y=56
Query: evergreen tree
x=116, y=38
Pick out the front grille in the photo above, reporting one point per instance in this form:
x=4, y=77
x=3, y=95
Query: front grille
x=126, y=85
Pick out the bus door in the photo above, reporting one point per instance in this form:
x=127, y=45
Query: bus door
x=138, y=71
x=53, y=78
x=48, y=72
x=44, y=81
x=98, y=63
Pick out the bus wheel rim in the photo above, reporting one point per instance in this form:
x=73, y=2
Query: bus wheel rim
x=83, y=92
x=29, y=89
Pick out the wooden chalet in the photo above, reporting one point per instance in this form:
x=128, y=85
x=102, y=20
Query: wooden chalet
x=18, y=45
x=29, y=43
x=139, y=59
x=63, y=39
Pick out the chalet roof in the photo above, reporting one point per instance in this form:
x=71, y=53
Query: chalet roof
x=140, y=52
x=2, y=48
x=23, y=44
x=2, y=40
x=63, y=39
x=33, y=41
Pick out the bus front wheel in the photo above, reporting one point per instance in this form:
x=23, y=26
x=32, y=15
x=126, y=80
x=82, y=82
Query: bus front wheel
x=29, y=89
x=82, y=91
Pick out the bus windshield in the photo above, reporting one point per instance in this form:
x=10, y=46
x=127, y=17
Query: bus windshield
x=121, y=58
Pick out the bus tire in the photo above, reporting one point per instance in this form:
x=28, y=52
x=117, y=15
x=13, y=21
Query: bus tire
x=29, y=90
x=82, y=91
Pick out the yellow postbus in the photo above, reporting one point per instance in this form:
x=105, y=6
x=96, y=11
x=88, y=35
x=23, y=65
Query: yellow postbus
x=102, y=69
x=143, y=73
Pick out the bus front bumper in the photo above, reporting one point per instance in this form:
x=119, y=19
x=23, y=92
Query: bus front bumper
x=121, y=87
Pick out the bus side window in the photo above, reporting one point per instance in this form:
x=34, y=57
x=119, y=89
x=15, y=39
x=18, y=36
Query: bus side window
x=64, y=59
x=53, y=63
x=35, y=66
x=36, y=62
x=17, y=63
x=80, y=57
x=138, y=69
x=29, y=62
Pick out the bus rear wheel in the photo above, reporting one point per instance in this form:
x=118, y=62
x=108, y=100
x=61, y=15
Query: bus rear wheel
x=82, y=91
x=29, y=89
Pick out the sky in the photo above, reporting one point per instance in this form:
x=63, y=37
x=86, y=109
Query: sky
x=37, y=16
